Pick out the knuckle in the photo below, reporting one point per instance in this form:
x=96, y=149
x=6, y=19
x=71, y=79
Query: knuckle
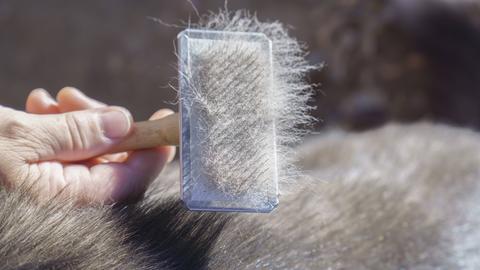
x=74, y=132
x=15, y=127
x=81, y=130
x=18, y=136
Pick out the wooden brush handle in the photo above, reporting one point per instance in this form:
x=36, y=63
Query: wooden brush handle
x=148, y=134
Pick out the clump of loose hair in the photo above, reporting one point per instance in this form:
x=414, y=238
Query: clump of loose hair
x=249, y=156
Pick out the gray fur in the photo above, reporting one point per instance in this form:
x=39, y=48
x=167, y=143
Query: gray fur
x=56, y=235
x=231, y=81
x=401, y=197
x=286, y=105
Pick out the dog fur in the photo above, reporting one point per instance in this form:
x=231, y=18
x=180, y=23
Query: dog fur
x=401, y=197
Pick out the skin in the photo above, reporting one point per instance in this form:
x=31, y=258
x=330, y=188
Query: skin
x=59, y=148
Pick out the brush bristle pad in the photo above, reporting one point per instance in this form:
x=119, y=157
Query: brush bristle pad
x=228, y=125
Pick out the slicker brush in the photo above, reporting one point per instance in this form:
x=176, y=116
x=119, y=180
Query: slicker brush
x=243, y=104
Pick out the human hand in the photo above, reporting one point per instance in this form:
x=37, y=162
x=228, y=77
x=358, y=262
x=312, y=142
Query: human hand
x=57, y=148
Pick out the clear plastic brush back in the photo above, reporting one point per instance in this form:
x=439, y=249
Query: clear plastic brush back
x=228, y=150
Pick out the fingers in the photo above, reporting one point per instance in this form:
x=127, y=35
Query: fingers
x=120, y=182
x=71, y=99
x=129, y=180
x=76, y=128
x=158, y=115
x=75, y=135
x=39, y=101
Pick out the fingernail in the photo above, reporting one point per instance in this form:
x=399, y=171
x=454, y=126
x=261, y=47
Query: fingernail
x=115, y=123
x=47, y=97
x=41, y=91
x=74, y=91
x=171, y=155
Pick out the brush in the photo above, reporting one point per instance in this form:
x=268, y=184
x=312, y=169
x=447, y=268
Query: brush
x=228, y=126
x=242, y=100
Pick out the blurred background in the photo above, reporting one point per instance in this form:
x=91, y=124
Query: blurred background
x=389, y=60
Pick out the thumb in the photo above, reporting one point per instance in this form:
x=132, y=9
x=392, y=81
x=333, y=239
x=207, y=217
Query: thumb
x=80, y=135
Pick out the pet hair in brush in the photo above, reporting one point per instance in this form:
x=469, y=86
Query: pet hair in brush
x=242, y=99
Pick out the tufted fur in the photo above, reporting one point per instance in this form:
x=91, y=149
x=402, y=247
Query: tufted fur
x=232, y=120
x=241, y=102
